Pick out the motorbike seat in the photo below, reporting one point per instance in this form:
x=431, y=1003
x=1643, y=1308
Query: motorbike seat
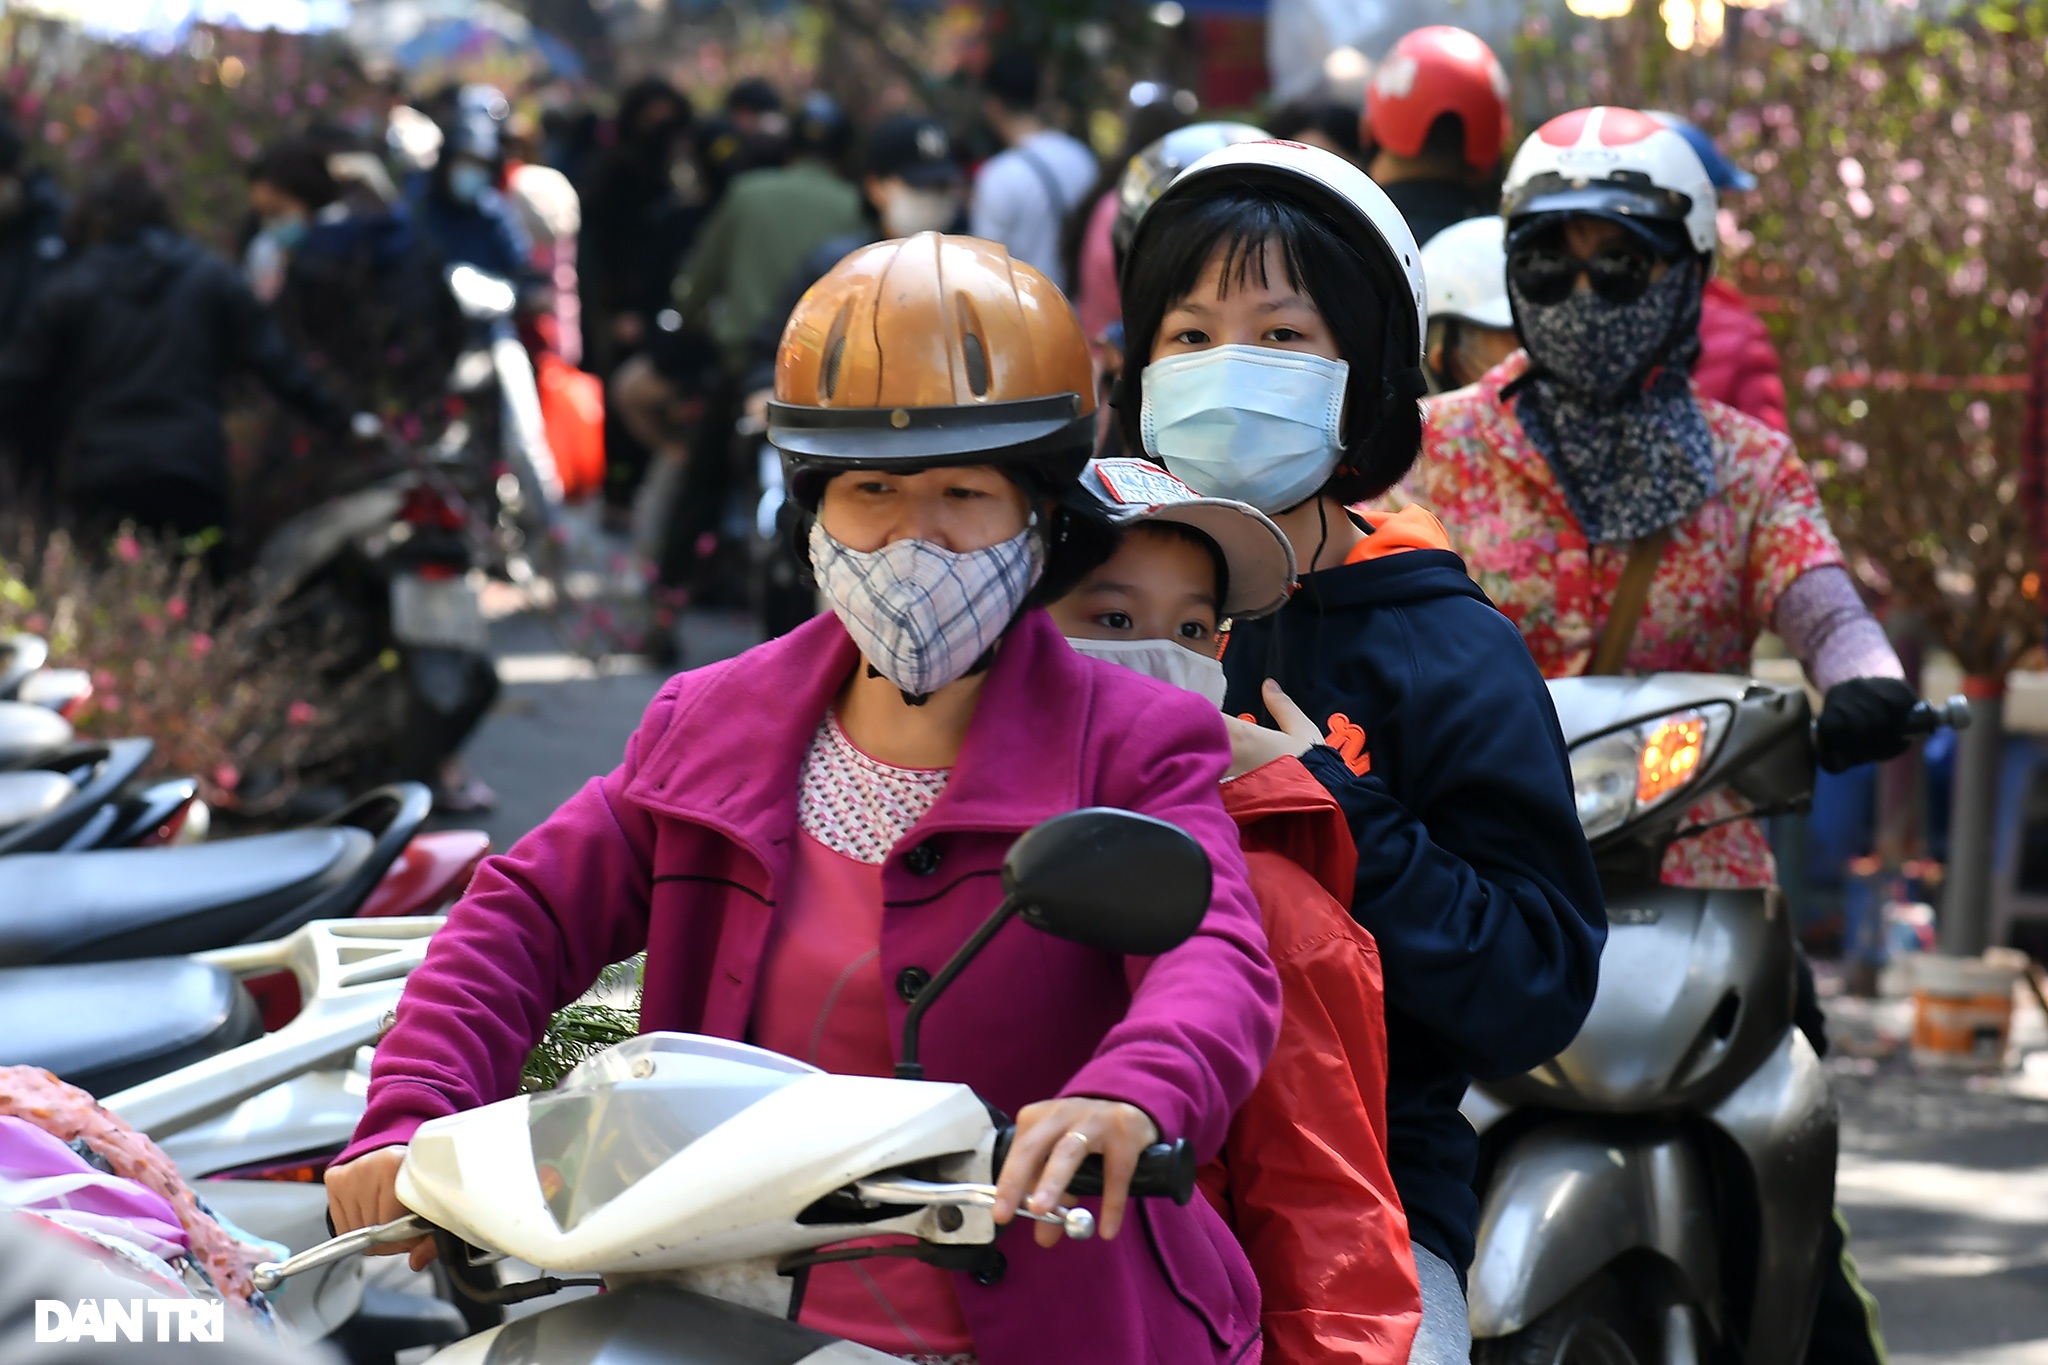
x=29, y=732
x=143, y=902
x=104, y=1026
x=32, y=795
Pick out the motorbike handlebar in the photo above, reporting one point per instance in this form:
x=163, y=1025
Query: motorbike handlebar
x=1166, y=1170
x=1926, y=717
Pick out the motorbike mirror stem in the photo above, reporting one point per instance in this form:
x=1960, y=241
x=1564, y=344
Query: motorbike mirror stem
x=910, y=1068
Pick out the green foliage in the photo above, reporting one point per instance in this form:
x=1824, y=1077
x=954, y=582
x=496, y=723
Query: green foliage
x=589, y=1026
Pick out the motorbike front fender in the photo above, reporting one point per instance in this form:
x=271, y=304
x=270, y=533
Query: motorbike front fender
x=1567, y=1199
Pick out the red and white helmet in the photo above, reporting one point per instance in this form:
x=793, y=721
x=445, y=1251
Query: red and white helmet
x=1360, y=209
x=1615, y=163
x=1432, y=72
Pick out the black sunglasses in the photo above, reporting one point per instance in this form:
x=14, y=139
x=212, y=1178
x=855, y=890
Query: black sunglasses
x=1546, y=274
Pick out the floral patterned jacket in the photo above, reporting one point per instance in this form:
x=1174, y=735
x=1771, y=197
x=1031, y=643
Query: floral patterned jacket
x=1715, y=588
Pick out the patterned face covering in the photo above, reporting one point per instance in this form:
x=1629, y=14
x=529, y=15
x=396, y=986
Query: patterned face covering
x=922, y=615
x=1632, y=456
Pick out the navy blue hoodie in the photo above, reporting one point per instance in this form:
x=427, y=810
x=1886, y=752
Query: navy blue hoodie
x=1473, y=872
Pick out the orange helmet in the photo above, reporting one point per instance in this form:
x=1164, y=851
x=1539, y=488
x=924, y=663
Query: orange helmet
x=1432, y=72
x=926, y=351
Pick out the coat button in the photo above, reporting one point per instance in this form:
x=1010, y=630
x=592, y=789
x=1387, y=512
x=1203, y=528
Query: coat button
x=922, y=860
x=911, y=981
x=991, y=1271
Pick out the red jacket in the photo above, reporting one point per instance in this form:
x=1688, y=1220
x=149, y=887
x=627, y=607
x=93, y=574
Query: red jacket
x=1303, y=1177
x=1738, y=365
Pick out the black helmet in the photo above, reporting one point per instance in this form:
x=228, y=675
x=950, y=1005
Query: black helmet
x=821, y=128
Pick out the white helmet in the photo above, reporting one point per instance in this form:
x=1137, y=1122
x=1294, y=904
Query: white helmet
x=1467, y=268
x=1615, y=163
x=1360, y=208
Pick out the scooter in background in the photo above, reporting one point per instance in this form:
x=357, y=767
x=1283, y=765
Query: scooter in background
x=176, y=1047
x=127, y=903
x=727, y=1171
x=1656, y=1194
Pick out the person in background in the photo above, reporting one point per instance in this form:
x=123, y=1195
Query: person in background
x=768, y=221
x=32, y=211
x=1302, y=1179
x=289, y=186
x=756, y=110
x=1087, y=253
x=1435, y=126
x=1328, y=124
x=1737, y=364
x=1471, y=326
x=626, y=203
x=1024, y=193
x=760, y=233
x=551, y=214
x=1589, y=455
x=458, y=204
x=130, y=344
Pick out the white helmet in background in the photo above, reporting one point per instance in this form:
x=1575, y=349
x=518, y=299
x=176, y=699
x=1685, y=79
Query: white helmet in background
x=1466, y=266
x=1612, y=163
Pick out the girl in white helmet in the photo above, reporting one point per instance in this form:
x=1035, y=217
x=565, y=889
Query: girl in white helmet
x=1274, y=314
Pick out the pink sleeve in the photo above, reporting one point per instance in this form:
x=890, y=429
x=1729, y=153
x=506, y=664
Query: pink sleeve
x=532, y=933
x=1203, y=1018
x=1789, y=536
x=1095, y=293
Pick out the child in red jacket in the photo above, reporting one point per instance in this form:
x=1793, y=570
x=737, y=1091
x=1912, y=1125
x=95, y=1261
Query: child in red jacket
x=1303, y=1178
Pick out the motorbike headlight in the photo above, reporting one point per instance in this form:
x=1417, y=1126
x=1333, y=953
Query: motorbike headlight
x=1604, y=780
x=1625, y=772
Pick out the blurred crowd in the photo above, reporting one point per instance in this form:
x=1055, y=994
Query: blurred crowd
x=655, y=249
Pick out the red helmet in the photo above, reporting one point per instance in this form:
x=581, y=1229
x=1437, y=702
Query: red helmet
x=1432, y=72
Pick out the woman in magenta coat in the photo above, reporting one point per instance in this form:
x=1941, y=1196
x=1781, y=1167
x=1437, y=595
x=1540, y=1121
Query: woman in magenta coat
x=799, y=836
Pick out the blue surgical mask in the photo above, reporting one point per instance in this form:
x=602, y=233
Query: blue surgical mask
x=468, y=181
x=286, y=232
x=1247, y=423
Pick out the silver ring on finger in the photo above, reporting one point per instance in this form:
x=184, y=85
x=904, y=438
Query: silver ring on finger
x=1082, y=1138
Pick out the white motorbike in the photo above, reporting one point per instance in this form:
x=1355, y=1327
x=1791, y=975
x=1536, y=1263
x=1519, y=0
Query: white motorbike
x=176, y=1047
x=698, y=1179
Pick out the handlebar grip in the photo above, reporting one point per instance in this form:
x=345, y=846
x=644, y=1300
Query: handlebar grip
x=1926, y=717
x=1166, y=1170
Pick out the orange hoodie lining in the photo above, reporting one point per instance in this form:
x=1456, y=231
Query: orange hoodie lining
x=1414, y=527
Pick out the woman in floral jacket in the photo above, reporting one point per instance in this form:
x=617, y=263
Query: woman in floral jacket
x=1592, y=447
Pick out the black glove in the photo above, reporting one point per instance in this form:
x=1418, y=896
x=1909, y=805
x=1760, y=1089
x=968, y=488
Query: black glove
x=1863, y=721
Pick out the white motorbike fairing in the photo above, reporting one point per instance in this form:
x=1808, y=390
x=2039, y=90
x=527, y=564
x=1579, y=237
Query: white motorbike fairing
x=674, y=1152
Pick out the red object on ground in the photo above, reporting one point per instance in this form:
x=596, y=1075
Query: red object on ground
x=1303, y=1179
x=1738, y=365
x=572, y=410
x=429, y=876
x=277, y=998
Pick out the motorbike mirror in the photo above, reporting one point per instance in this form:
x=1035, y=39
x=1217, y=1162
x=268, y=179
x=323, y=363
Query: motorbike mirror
x=1110, y=879
x=482, y=297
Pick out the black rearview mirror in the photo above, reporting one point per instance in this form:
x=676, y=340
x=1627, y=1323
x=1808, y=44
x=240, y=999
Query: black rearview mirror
x=1110, y=879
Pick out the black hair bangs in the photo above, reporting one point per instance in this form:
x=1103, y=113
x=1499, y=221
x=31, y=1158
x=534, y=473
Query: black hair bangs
x=1179, y=238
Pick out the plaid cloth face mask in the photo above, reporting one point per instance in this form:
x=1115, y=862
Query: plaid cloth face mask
x=921, y=615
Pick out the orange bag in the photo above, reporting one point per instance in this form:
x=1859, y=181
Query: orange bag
x=572, y=410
